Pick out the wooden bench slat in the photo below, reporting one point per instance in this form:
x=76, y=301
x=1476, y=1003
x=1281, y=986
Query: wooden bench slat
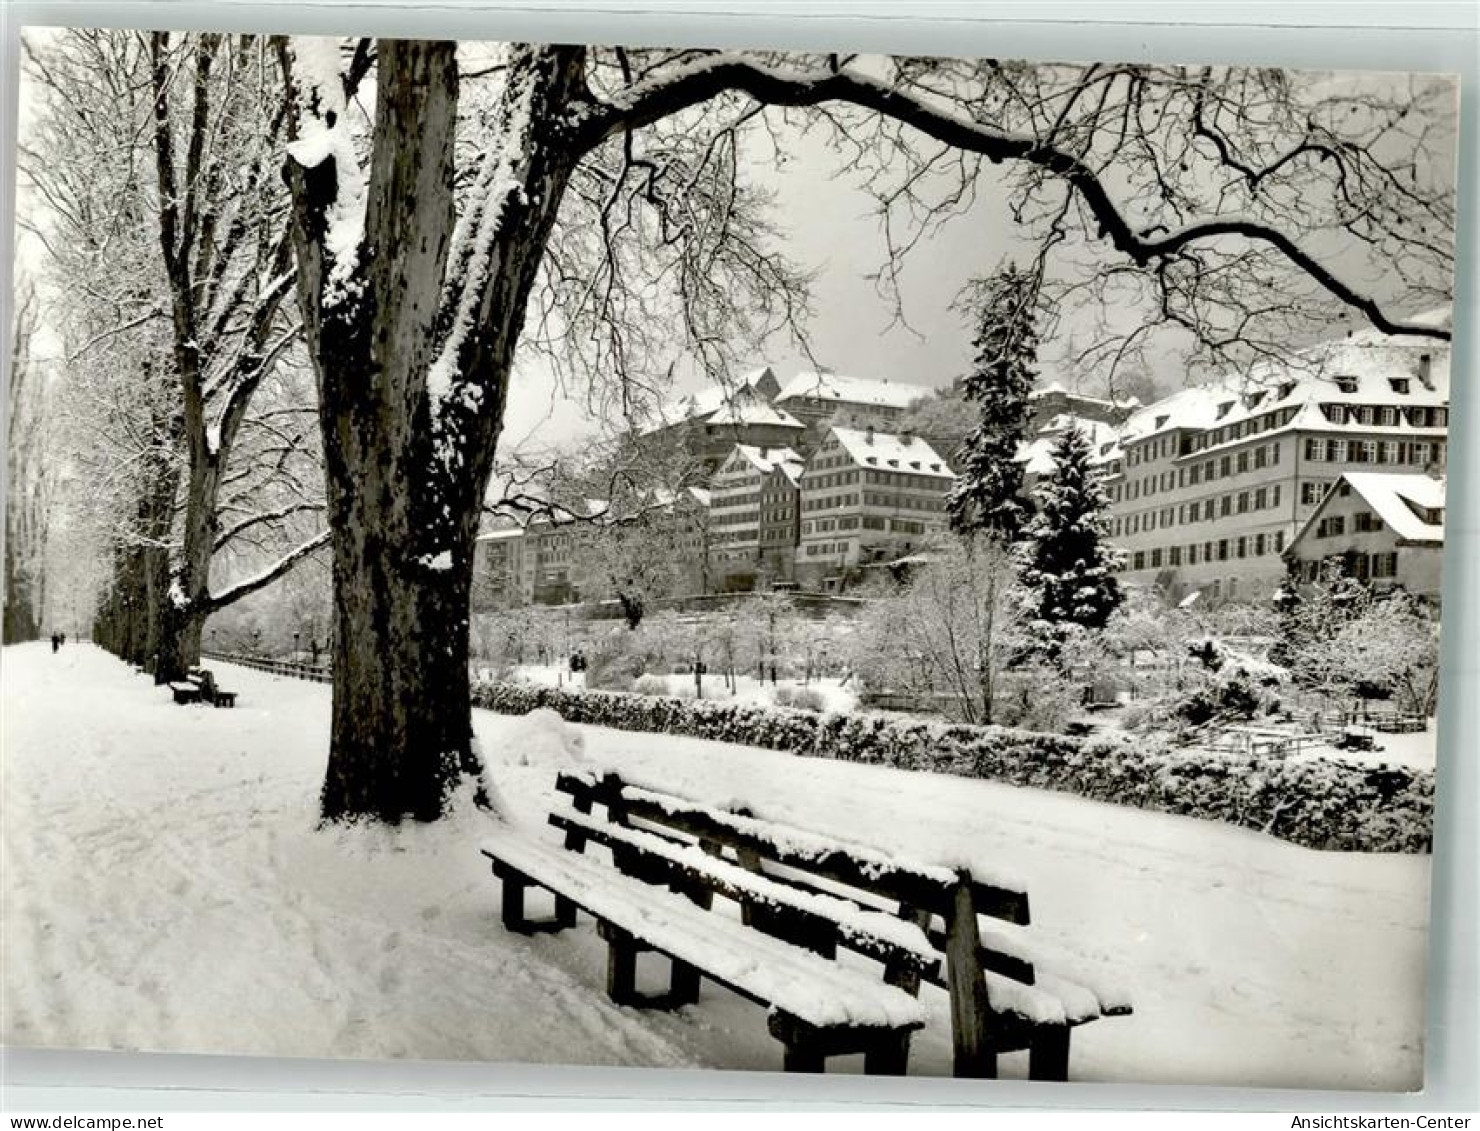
x=1053, y=966
x=875, y=934
x=801, y=895
x=926, y=886
x=765, y=970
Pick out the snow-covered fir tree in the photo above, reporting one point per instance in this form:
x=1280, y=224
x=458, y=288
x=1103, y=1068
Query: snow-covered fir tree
x=988, y=495
x=1068, y=566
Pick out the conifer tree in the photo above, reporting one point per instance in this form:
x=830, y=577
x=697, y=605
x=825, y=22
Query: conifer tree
x=988, y=495
x=1069, y=567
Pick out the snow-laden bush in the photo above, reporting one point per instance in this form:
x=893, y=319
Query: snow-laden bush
x=801, y=699
x=1319, y=803
x=650, y=684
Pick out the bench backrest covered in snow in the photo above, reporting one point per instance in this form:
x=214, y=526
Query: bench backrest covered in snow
x=802, y=898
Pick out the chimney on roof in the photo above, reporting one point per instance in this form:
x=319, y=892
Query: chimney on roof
x=868, y=434
x=906, y=437
x=1426, y=370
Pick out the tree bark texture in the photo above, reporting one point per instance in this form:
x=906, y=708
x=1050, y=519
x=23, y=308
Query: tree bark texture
x=406, y=465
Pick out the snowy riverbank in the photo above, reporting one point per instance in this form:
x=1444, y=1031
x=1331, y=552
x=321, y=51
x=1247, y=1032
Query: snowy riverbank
x=164, y=888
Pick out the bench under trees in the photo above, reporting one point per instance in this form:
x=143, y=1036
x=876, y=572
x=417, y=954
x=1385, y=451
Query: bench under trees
x=199, y=686
x=835, y=939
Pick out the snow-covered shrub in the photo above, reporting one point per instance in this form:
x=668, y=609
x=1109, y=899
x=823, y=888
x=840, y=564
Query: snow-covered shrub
x=1158, y=718
x=650, y=685
x=1037, y=697
x=1318, y=803
x=801, y=698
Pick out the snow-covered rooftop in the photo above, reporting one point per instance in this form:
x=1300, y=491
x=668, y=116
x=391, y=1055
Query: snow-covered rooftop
x=1404, y=501
x=1036, y=455
x=892, y=451
x=1057, y=388
x=1366, y=368
x=740, y=395
x=852, y=390
x=766, y=460
x=501, y=533
x=754, y=412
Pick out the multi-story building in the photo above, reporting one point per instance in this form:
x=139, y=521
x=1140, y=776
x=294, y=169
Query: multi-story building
x=1210, y=485
x=754, y=505
x=498, y=569
x=533, y=562
x=1386, y=528
x=867, y=497
x=702, y=427
x=1053, y=400
x=821, y=399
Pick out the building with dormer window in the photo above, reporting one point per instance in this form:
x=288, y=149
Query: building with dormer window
x=868, y=497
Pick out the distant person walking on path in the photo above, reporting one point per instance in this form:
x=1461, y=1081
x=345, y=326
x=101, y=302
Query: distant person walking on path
x=56, y=642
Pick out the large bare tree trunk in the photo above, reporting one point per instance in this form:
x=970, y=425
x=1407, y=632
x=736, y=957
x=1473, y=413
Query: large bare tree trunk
x=184, y=611
x=408, y=457
x=401, y=716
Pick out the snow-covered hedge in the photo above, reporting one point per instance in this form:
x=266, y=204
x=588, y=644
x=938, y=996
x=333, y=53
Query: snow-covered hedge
x=1319, y=803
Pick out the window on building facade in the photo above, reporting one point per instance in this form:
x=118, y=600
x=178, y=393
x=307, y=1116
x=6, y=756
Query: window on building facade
x=1223, y=549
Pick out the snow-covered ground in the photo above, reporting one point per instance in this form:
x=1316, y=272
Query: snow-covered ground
x=165, y=888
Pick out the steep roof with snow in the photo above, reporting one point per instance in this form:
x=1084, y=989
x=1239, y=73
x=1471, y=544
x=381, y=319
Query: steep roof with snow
x=852, y=390
x=767, y=460
x=737, y=398
x=1364, y=368
x=501, y=533
x=755, y=412
x=892, y=451
x=1056, y=388
x=1036, y=455
x=1407, y=502
x=1193, y=408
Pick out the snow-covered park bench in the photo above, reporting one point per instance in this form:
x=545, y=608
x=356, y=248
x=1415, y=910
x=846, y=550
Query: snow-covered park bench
x=199, y=686
x=791, y=901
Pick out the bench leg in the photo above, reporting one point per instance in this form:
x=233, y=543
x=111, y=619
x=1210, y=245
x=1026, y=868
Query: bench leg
x=1048, y=1054
x=513, y=909
x=513, y=914
x=971, y=1010
x=684, y=988
x=621, y=965
x=888, y=1058
x=803, y=1058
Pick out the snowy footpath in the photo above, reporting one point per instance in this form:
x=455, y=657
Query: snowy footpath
x=164, y=888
